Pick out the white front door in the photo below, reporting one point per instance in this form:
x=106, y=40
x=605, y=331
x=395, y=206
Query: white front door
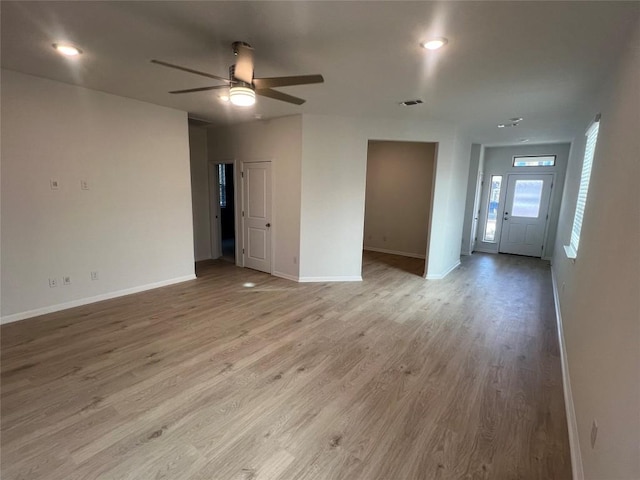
x=524, y=221
x=256, y=210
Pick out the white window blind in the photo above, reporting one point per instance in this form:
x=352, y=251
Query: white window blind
x=592, y=138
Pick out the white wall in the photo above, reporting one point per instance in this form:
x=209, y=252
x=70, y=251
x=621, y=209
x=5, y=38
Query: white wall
x=277, y=140
x=476, y=165
x=334, y=158
x=499, y=161
x=200, y=192
x=133, y=225
x=398, y=197
x=599, y=294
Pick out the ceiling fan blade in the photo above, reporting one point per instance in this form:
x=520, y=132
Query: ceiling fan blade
x=184, y=69
x=287, y=81
x=267, y=92
x=244, y=63
x=201, y=89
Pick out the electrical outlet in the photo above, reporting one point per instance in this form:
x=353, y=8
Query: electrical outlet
x=53, y=282
x=94, y=275
x=594, y=433
x=66, y=280
x=84, y=185
x=55, y=185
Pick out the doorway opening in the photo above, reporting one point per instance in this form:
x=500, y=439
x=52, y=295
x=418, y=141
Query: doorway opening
x=398, y=203
x=223, y=211
x=227, y=212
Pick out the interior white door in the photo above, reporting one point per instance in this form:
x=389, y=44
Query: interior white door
x=256, y=210
x=525, y=215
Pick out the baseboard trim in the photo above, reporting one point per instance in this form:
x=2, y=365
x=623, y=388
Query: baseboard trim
x=572, y=423
x=286, y=276
x=440, y=276
x=394, y=252
x=330, y=279
x=98, y=298
x=480, y=250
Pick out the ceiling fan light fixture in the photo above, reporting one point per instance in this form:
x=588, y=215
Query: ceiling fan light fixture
x=242, y=96
x=67, y=49
x=434, y=43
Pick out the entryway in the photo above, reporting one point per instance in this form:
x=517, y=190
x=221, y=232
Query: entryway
x=520, y=189
x=524, y=220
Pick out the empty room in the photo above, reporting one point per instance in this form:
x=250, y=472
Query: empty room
x=302, y=240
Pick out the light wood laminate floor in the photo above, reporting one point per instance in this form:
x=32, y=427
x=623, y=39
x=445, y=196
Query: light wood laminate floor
x=392, y=378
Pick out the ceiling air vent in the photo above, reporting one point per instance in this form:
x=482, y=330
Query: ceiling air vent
x=408, y=103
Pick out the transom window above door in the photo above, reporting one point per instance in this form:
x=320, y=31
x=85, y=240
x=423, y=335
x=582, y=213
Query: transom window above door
x=534, y=161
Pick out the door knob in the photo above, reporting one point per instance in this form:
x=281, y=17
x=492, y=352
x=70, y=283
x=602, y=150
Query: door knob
x=268, y=225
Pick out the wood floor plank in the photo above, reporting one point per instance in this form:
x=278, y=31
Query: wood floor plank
x=242, y=376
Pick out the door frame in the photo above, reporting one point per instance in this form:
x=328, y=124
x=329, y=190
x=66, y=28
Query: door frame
x=503, y=205
x=475, y=218
x=240, y=246
x=215, y=227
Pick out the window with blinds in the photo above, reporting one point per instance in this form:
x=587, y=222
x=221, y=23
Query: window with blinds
x=587, y=163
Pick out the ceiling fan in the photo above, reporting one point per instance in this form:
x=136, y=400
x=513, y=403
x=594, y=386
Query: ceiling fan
x=242, y=85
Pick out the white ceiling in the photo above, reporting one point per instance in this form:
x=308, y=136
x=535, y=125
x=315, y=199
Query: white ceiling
x=537, y=60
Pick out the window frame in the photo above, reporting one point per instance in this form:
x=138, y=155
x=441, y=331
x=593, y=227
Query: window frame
x=588, y=158
x=488, y=209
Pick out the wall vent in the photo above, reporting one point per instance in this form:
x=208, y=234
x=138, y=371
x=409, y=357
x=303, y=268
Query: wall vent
x=408, y=103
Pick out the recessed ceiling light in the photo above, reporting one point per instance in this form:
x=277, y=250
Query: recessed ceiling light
x=523, y=140
x=516, y=119
x=67, y=49
x=435, y=43
x=501, y=125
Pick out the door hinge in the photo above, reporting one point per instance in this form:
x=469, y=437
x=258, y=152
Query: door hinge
x=242, y=174
x=243, y=250
x=547, y=216
x=243, y=213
